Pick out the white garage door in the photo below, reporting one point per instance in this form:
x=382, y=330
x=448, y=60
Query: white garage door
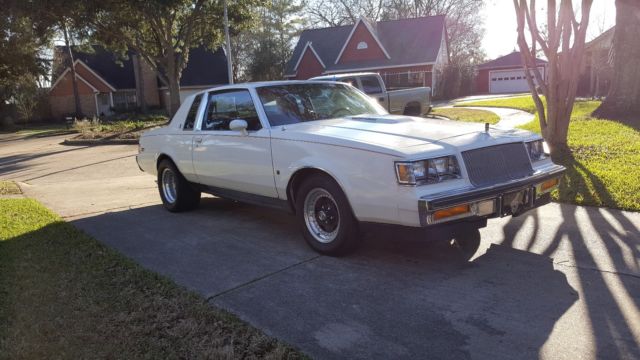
x=508, y=81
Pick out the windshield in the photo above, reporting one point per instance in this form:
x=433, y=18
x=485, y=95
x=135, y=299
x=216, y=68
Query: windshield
x=294, y=103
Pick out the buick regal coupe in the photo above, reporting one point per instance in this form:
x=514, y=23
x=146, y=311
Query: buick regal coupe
x=332, y=156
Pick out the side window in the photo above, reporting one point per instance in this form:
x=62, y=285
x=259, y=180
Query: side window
x=226, y=106
x=349, y=80
x=370, y=85
x=191, y=115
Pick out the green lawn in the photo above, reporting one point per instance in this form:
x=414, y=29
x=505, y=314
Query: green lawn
x=63, y=295
x=604, y=167
x=469, y=115
x=9, y=188
x=524, y=103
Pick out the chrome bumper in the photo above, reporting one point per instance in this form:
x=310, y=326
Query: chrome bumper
x=511, y=198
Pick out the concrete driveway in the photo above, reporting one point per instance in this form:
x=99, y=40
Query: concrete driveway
x=562, y=282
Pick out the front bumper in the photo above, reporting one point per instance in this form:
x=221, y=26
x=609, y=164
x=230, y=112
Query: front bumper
x=512, y=198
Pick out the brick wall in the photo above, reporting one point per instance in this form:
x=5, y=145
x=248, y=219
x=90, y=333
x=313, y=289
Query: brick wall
x=61, y=106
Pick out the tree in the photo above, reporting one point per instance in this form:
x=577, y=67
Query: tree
x=563, y=45
x=623, y=99
x=26, y=98
x=22, y=44
x=162, y=32
x=273, y=41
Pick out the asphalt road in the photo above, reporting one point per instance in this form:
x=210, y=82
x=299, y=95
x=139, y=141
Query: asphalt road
x=561, y=282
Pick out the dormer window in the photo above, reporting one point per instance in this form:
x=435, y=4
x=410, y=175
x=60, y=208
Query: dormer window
x=362, y=45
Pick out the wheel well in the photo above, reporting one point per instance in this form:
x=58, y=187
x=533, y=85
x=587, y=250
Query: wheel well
x=297, y=179
x=413, y=105
x=162, y=157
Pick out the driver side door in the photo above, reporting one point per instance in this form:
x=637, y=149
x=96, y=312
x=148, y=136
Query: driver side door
x=228, y=159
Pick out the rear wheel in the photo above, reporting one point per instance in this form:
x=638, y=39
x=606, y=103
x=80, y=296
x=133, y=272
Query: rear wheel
x=412, y=110
x=176, y=192
x=325, y=216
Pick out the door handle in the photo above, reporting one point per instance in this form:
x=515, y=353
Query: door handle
x=381, y=99
x=197, y=140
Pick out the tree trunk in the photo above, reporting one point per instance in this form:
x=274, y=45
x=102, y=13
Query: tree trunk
x=139, y=77
x=72, y=67
x=623, y=99
x=174, y=94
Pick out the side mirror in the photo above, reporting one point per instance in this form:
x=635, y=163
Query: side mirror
x=239, y=125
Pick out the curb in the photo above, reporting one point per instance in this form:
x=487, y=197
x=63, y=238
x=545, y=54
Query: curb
x=96, y=142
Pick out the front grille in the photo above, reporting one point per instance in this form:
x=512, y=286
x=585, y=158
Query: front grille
x=496, y=164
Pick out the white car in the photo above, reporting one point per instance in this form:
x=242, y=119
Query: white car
x=335, y=158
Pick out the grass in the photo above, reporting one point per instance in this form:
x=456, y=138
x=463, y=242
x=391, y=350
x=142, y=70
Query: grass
x=603, y=168
x=9, y=188
x=64, y=295
x=469, y=115
x=524, y=103
x=40, y=130
x=119, y=129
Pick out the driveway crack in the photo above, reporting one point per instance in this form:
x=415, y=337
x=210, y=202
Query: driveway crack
x=224, y=292
x=566, y=263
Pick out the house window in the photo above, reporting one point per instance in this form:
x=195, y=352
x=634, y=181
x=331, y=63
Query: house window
x=125, y=99
x=362, y=45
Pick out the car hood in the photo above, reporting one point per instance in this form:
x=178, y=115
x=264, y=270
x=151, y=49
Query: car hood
x=402, y=135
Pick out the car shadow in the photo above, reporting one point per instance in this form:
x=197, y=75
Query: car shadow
x=397, y=297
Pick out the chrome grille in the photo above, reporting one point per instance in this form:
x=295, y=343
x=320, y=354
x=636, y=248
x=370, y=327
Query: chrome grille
x=497, y=164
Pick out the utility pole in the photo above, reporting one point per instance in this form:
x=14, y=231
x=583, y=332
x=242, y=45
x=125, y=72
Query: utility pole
x=228, y=45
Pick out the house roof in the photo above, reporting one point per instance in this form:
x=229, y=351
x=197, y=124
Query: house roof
x=205, y=67
x=603, y=40
x=407, y=41
x=511, y=60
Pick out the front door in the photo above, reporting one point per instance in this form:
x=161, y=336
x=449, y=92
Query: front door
x=104, y=104
x=228, y=159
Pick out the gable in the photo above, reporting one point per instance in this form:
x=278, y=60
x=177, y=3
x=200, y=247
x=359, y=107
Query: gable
x=64, y=86
x=94, y=79
x=362, y=44
x=409, y=42
x=309, y=64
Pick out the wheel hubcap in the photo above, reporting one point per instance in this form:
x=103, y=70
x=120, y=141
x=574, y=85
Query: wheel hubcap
x=169, y=185
x=321, y=215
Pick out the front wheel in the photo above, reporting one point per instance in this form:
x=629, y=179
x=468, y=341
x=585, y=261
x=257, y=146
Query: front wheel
x=176, y=192
x=327, y=222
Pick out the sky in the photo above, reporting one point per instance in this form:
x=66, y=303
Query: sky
x=500, y=24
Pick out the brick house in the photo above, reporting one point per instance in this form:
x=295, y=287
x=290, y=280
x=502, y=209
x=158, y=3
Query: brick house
x=596, y=71
x=505, y=75
x=107, y=82
x=406, y=53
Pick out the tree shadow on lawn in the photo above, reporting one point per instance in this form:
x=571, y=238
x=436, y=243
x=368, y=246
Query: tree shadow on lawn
x=398, y=296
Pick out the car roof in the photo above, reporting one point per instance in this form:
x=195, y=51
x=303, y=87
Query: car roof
x=253, y=85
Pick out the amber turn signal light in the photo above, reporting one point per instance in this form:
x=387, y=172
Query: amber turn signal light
x=549, y=184
x=452, y=211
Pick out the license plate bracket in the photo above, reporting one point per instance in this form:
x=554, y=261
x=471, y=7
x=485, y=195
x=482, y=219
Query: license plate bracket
x=516, y=202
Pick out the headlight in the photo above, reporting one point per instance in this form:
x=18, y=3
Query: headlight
x=428, y=171
x=537, y=150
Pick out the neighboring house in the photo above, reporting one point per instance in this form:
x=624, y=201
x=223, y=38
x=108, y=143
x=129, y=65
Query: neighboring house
x=107, y=82
x=406, y=53
x=505, y=75
x=596, y=71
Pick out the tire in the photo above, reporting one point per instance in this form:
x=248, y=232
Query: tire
x=467, y=241
x=326, y=219
x=176, y=192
